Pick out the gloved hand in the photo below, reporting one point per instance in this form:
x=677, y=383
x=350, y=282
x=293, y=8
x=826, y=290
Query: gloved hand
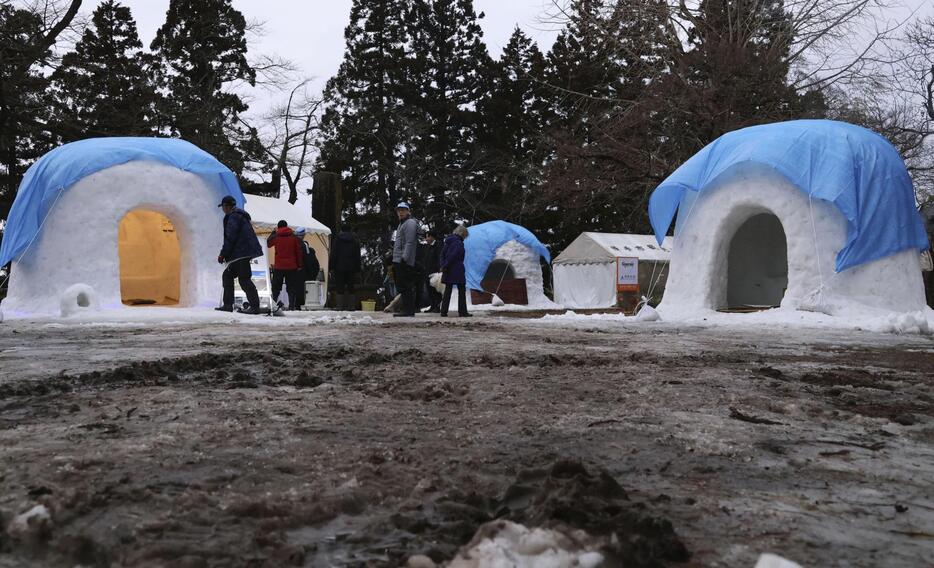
x=220, y=259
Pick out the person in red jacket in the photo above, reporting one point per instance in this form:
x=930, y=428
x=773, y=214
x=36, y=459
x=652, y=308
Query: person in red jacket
x=289, y=264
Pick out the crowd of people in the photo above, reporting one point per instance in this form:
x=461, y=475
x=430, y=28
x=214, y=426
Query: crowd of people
x=412, y=267
x=416, y=273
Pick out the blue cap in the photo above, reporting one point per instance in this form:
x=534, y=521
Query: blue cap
x=403, y=205
x=300, y=230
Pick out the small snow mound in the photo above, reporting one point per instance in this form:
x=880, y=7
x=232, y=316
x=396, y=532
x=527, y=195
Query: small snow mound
x=32, y=523
x=768, y=560
x=647, y=313
x=504, y=543
x=912, y=322
x=79, y=298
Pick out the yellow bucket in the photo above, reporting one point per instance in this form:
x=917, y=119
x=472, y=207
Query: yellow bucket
x=368, y=305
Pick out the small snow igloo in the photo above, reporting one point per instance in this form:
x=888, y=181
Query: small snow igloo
x=811, y=214
x=504, y=259
x=116, y=222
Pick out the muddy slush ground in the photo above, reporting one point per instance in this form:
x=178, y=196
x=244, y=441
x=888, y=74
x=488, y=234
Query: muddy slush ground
x=360, y=445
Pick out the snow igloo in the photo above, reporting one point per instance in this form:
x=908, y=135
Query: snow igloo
x=116, y=222
x=814, y=215
x=498, y=255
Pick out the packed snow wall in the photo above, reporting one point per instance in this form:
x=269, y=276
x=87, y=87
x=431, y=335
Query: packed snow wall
x=815, y=232
x=78, y=243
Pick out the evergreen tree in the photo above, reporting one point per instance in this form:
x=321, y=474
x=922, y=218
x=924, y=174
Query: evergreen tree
x=23, y=98
x=602, y=72
x=510, y=137
x=200, y=50
x=736, y=69
x=364, y=126
x=102, y=87
x=450, y=68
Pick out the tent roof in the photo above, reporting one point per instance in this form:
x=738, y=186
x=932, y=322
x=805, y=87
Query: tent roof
x=268, y=211
x=605, y=247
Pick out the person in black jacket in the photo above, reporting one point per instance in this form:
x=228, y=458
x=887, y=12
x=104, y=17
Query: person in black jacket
x=240, y=247
x=432, y=265
x=312, y=266
x=344, y=265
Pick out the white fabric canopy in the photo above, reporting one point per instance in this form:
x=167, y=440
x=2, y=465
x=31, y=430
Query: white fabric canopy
x=585, y=285
x=268, y=211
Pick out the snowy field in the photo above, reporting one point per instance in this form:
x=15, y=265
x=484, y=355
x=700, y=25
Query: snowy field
x=193, y=438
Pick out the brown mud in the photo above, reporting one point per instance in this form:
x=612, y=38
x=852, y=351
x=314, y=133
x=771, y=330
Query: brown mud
x=364, y=445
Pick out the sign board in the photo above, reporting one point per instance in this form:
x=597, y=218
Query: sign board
x=627, y=274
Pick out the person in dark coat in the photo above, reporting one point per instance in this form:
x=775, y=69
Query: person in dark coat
x=289, y=264
x=312, y=266
x=240, y=247
x=432, y=265
x=453, y=273
x=344, y=266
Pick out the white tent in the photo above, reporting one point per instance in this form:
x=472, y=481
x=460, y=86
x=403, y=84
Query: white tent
x=585, y=272
x=268, y=211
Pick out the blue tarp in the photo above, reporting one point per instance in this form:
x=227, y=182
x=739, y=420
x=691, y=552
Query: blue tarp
x=61, y=168
x=853, y=168
x=480, y=247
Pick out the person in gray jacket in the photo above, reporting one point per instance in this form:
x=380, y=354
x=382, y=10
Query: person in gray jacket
x=404, y=249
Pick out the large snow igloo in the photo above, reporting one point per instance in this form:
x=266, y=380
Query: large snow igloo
x=116, y=222
x=812, y=214
x=497, y=253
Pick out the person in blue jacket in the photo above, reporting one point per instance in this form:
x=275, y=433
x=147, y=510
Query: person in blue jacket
x=452, y=271
x=240, y=247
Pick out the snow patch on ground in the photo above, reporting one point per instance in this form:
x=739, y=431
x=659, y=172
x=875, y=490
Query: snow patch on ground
x=133, y=317
x=507, y=544
x=920, y=322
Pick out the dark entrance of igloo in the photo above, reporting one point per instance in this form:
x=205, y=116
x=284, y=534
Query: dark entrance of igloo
x=757, y=263
x=499, y=270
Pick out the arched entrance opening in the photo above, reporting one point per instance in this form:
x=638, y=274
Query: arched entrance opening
x=499, y=270
x=757, y=273
x=150, y=259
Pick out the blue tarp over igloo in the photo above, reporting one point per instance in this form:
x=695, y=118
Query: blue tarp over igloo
x=480, y=247
x=857, y=170
x=61, y=168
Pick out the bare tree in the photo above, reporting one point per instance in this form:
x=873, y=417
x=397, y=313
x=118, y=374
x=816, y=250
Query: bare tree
x=826, y=42
x=287, y=137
